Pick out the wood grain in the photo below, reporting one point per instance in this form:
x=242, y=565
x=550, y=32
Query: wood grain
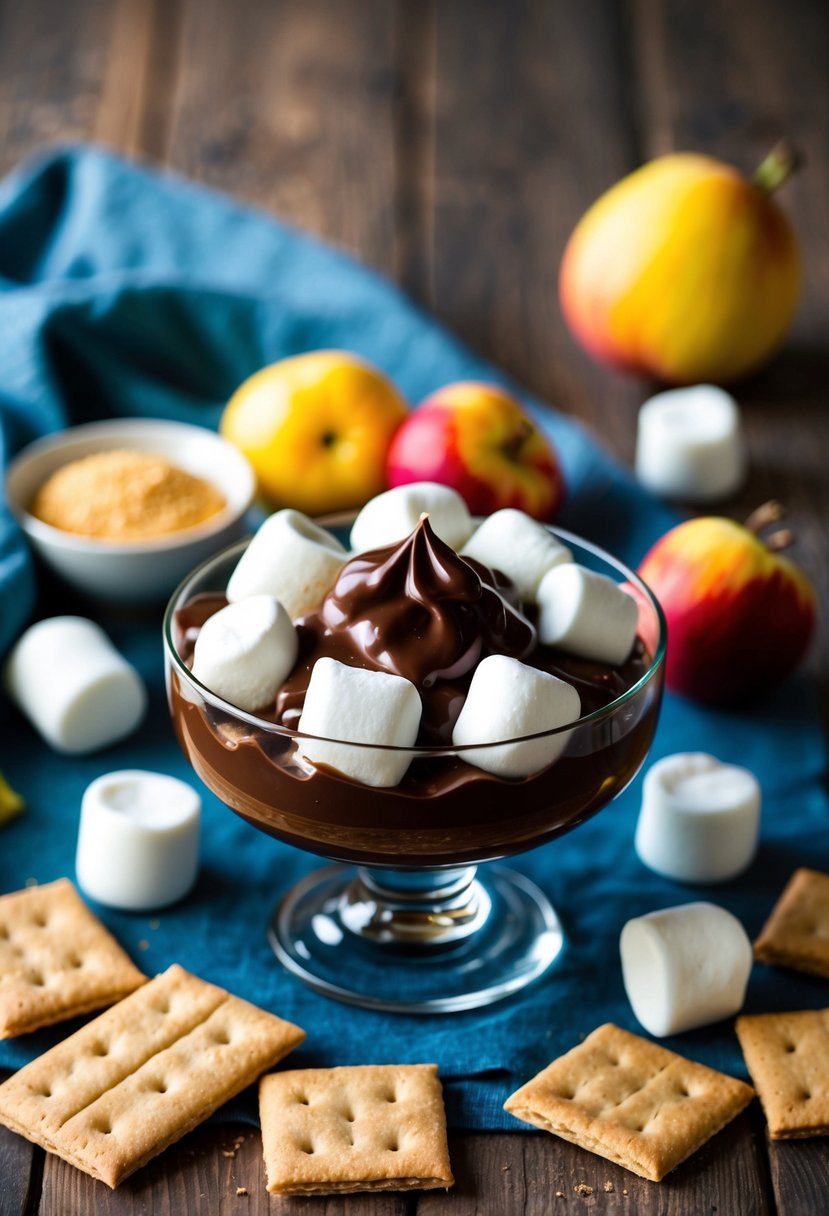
x=507, y=1175
x=20, y=1171
x=79, y=71
x=730, y=81
x=193, y=1176
x=549, y=1175
x=52, y=60
x=218, y=1169
x=798, y=1173
x=454, y=146
x=291, y=108
x=525, y=138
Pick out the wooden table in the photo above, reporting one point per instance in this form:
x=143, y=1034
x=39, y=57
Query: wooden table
x=453, y=145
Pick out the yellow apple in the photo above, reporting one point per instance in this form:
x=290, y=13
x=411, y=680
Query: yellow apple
x=685, y=270
x=316, y=428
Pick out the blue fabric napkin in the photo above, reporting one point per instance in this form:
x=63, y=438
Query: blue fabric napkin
x=123, y=292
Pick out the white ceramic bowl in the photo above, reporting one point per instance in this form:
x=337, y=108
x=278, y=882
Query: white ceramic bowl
x=130, y=572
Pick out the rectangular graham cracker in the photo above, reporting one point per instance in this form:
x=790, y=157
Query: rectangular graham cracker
x=788, y=1057
x=630, y=1101
x=372, y=1127
x=797, y=932
x=142, y=1074
x=56, y=959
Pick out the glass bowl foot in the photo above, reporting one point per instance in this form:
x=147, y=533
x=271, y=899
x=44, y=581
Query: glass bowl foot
x=423, y=942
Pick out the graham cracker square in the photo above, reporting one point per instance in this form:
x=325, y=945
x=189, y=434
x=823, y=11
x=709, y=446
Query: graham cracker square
x=630, y=1101
x=372, y=1127
x=139, y=1076
x=797, y=932
x=56, y=959
x=788, y=1057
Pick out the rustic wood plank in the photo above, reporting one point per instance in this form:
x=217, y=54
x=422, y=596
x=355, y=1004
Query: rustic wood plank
x=730, y=80
x=531, y=124
x=73, y=72
x=290, y=107
x=52, y=60
x=414, y=147
x=548, y=1175
x=461, y=169
x=135, y=86
x=20, y=1171
x=218, y=1169
x=196, y=1175
x=800, y=1176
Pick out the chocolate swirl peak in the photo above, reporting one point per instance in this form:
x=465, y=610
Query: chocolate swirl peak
x=415, y=609
x=420, y=611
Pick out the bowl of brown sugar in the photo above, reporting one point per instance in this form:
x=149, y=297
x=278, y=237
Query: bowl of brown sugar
x=122, y=510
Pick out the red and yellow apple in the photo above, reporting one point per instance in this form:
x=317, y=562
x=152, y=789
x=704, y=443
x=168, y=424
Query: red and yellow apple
x=316, y=428
x=740, y=615
x=477, y=439
x=685, y=270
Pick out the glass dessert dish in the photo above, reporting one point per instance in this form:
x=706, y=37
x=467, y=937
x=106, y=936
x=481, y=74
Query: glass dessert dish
x=405, y=921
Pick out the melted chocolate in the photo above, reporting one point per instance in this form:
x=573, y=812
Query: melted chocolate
x=418, y=610
x=415, y=610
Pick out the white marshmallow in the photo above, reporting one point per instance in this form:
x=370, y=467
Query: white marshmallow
x=74, y=686
x=138, y=842
x=355, y=705
x=689, y=444
x=699, y=820
x=391, y=516
x=508, y=699
x=519, y=546
x=244, y=652
x=290, y=558
x=685, y=967
x=586, y=614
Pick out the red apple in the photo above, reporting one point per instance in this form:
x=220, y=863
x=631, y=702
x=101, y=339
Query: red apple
x=477, y=439
x=739, y=615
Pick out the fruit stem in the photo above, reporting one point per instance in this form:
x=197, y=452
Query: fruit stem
x=767, y=513
x=778, y=541
x=780, y=163
x=511, y=448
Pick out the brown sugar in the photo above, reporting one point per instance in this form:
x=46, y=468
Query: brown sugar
x=125, y=496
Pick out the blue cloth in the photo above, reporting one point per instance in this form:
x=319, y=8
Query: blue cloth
x=123, y=292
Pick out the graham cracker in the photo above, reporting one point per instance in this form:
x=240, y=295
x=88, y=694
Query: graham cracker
x=630, y=1101
x=56, y=959
x=142, y=1074
x=373, y=1127
x=797, y=932
x=788, y=1057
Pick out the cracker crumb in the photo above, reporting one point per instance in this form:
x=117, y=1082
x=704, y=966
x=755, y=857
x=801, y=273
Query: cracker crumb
x=581, y=1188
x=143, y=944
x=236, y=1144
x=608, y=1188
x=155, y=924
x=560, y=1195
x=125, y=495
x=624, y=1192
x=241, y=1190
x=31, y=882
